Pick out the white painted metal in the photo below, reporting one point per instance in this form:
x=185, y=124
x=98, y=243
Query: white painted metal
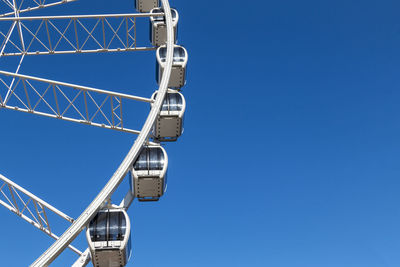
x=83, y=260
x=76, y=34
x=35, y=198
x=30, y=207
x=78, y=87
x=36, y=5
x=7, y=37
x=72, y=232
x=17, y=200
x=125, y=15
x=21, y=37
x=87, y=109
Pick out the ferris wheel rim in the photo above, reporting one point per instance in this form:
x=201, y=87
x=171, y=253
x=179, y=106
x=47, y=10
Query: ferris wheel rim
x=73, y=231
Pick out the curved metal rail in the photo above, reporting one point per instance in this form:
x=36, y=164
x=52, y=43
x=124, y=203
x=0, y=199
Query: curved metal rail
x=73, y=231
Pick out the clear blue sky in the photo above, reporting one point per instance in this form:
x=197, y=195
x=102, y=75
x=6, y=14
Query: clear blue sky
x=291, y=150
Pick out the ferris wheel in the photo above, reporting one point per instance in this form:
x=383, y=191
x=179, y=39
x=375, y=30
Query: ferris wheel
x=107, y=224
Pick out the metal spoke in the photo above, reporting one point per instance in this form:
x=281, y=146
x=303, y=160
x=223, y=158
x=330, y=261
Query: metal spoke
x=28, y=92
x=34, y=217
x=36, y=5
x=52, y=30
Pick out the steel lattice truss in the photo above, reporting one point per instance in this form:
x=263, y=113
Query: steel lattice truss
x=28, y=5
x=29, y=207
x=71, y=34
x=25, y=36
x=64, y=101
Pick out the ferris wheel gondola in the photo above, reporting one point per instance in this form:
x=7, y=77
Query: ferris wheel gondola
x=169, y=124
x=178, y=72
x=149, y=173
x=158, y=27
x=108, y=236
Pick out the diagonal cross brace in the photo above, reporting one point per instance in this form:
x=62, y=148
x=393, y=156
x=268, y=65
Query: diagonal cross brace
x=87, y=105
x=71, y=34
x=37, y=5
x=36, y=217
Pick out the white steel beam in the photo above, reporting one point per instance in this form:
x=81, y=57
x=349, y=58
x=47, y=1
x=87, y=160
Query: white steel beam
x=76, y=34
x=78, y=87
x=93, y=16
x=36, y=5
x=7, y=38
x=9, y=4
x=21, y=37
x=73, y=231
x=66, y=101
x=30, y=207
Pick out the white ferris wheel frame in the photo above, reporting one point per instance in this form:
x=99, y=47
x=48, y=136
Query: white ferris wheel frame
x=105, y=194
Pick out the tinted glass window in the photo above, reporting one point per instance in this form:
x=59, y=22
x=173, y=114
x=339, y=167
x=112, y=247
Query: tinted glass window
x=163, y=53
x=141, y=162
x=117, y=226
x=179, y=54
x=175, y=102
x=173, y=11
x=98, y=227
x=150, y=159
x=156, y=159
x=172, y=102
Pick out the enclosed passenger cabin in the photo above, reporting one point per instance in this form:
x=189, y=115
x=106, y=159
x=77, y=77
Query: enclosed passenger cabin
x=178, y=73
x=158, y=27
x=108, y=236
x=169, y=124
x=145, y=6
x=149, y=173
